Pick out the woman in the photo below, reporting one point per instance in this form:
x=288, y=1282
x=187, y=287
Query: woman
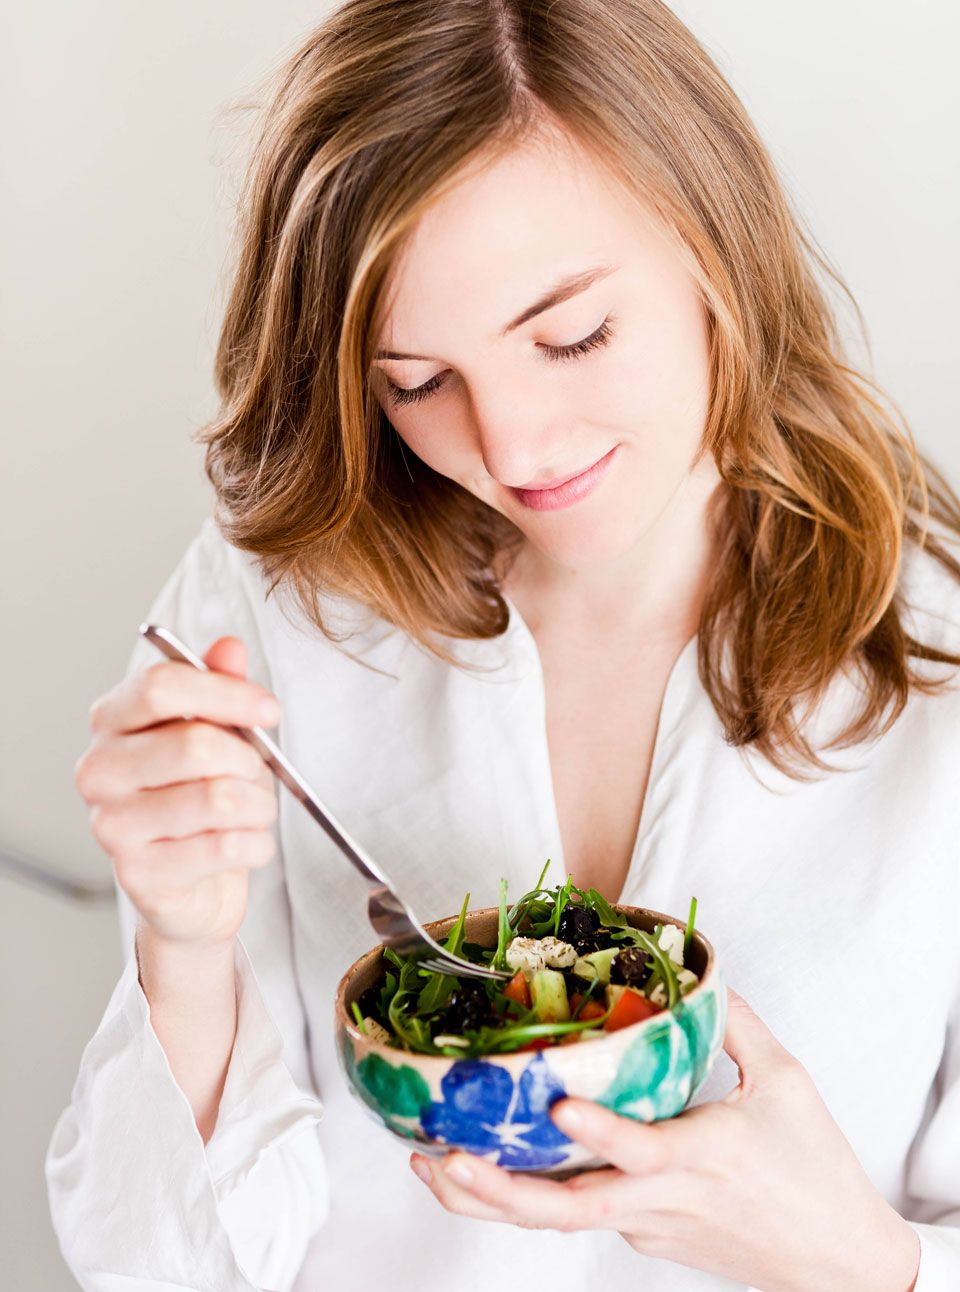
x=488, y=248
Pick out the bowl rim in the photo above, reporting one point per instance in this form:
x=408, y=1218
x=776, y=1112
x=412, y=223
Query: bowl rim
x=344, y=1020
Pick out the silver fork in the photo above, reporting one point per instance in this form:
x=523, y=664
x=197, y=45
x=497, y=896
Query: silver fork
x=391, y=917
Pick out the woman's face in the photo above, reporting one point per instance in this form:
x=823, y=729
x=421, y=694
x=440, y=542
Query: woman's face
x=483, y=391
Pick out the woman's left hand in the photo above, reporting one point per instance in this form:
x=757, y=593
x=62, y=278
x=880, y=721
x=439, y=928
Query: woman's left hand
x=760, y=1187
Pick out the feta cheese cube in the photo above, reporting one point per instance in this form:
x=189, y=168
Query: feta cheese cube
x=525, y=954
x=533, y=954
x=375, y=1031
x=671, y=941
x=556, y=953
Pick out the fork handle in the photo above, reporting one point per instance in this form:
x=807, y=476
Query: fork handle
x=171, y=646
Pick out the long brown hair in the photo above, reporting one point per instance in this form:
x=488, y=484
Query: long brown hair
x=374, y=117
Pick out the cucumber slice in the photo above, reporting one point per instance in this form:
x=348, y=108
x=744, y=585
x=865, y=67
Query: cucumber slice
x=596, y=964
x=612, y=993
x=548, y=994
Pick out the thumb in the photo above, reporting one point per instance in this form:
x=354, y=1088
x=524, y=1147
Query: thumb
x=227, y=655
x=750, y=1043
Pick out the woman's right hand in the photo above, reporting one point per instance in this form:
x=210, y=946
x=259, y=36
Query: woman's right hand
x=182, y=805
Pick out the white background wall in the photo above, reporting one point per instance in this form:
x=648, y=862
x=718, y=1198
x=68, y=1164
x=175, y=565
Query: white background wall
x=120, y=173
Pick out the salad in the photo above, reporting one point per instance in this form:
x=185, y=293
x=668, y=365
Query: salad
x=579, y=971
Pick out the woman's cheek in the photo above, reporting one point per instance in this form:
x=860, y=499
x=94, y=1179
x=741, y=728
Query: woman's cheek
x=437, y=442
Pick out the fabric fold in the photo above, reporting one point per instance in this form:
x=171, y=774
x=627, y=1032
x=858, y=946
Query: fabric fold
x=135, y=1194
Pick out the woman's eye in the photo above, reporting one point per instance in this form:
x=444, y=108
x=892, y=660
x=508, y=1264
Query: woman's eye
x=400, y=396
x=602, y=335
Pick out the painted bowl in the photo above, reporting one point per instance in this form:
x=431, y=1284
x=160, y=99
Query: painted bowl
x=497, y=1106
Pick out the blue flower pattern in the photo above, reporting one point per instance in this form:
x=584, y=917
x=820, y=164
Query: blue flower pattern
x=485, y=1111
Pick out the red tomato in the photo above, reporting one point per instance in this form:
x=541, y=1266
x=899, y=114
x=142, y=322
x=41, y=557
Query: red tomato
x=538, y=1043
x=631, y=1007
x=518, y=989
x=592, y=1009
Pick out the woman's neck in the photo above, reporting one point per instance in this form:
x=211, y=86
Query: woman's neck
x=654, y=592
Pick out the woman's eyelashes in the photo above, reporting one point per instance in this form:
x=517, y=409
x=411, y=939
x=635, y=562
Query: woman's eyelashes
x=555, y=353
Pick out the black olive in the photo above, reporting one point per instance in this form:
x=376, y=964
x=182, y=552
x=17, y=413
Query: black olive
x=369, y=1003
x=469, y=1006
x=629, y=967
x=578, y=926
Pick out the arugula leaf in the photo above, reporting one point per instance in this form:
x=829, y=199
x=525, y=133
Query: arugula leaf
x=504, y=931
x=515, y=909
x=392, y=956
x=439, y=987
x=585, y=995
x=688, y=932
x=498, y=1040
x=386, y=991
x=560, y=901
x=605, y=911
x=411, y=1030
x=358, y=1016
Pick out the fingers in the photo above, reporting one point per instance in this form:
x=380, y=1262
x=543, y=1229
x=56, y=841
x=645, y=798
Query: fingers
x=449, y=1194
x=165, y=867
x=170, y=689
x=521, y=1198
x=177, y=751
x=228, y=655
x=176, y=811
x=527, y=1200
x=752, y=1046
x=639, y=1148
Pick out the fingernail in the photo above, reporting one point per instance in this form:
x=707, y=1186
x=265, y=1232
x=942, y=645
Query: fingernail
x=459, y=1171
x=421, y=1169
x=568, y=1115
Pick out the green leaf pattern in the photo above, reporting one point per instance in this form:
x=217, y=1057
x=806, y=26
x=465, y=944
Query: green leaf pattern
x=395, y=1094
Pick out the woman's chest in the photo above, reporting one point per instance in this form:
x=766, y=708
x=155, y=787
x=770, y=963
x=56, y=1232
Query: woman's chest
x=601, y=733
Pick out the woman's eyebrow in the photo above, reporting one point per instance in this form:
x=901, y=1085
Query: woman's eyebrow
x=571, y=285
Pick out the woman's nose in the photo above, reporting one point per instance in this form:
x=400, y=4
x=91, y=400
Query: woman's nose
x=520, y=438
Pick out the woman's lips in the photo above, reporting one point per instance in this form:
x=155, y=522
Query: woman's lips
x=570, y=491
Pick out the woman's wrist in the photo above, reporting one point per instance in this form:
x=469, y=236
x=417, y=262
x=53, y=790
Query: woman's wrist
x=191, y=996
x=889, y=1263
x=181, y=967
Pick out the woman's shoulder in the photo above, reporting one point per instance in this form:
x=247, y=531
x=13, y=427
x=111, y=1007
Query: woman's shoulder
x=212, y=558
x=928, y=605
x=217, y=569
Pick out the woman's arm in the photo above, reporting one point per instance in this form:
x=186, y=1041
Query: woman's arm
x=141, y=1192
x=192, y=994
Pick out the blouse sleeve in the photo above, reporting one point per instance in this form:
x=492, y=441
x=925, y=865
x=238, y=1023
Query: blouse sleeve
x=137, y=1200
x=933, y=1174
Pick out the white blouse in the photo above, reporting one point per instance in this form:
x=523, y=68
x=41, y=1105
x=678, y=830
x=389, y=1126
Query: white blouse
x=834, y=905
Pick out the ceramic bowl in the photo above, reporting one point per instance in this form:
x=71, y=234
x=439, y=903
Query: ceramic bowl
x=497, y=1106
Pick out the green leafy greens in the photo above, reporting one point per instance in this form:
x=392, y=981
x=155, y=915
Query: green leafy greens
x=413, y=1002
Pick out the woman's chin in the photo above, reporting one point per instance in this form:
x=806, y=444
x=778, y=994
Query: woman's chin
x=585, y=546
